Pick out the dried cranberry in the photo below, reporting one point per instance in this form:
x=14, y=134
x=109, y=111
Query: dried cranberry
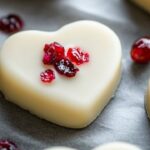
x=140, y=51
x=53, y=52
x=65, y=67
x=11, y=23
x=77, y=56
x=7, y=145
x=47, y=76
x=49, y=57
x=56, y=47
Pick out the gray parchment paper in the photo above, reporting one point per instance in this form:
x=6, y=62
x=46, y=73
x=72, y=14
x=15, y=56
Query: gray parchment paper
x=124, y=119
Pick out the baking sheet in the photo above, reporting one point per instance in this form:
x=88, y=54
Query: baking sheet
x=124, y=119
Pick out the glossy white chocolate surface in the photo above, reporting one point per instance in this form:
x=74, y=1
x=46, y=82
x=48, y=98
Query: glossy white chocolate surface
x=74, y=102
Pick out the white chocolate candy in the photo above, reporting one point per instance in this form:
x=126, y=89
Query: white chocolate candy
x=145, y=4
x=117, y=146
x=109, y=146
x=74, y=102
x=147, y=100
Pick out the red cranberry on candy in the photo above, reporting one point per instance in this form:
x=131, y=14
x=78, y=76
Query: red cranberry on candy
x=47, y=76
x=53, y=52
x=65, y=67
x=77, y=56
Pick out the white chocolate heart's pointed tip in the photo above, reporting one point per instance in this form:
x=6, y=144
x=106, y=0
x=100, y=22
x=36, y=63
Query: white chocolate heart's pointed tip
x=147, y=100
x=74, y=102
x=145, y=4
x=117, y=146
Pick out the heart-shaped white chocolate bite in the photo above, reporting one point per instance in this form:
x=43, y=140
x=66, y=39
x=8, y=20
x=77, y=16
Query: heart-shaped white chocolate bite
x=70, y=102
x=109, y=146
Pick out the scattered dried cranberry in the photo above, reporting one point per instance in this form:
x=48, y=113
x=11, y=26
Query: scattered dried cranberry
x=7, y=145
x=47, y=76
x=11, y=23
x=140, y=51
x=53, y=52
x=65, y=67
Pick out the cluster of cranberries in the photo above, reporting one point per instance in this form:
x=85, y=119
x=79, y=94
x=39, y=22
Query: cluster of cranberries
x=11, y=23
x=64, y=63
x=140, y=52
x=7, y=145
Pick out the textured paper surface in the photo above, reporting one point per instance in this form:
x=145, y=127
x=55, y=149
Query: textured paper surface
x=124, y=119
